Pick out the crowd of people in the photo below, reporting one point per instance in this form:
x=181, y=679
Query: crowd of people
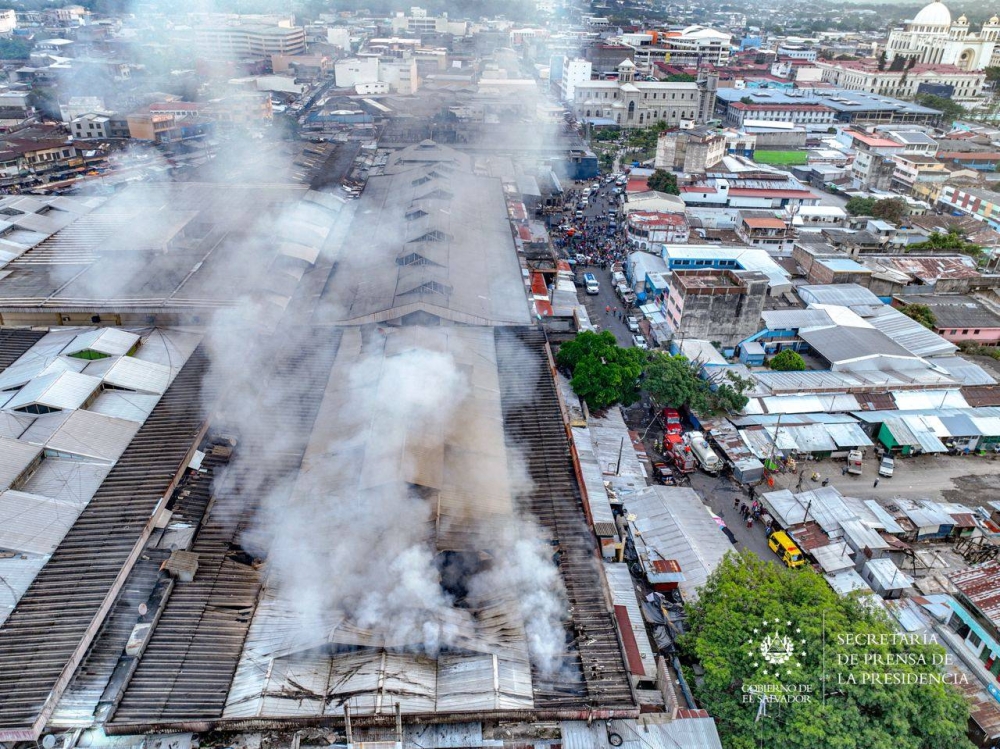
x=594, y=240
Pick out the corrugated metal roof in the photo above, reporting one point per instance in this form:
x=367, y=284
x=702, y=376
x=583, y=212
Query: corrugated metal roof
x=672, y=523
x=44, y=427
x=909, y=334
x=16, y=573
x=886, y=521
x=90, y=435
x=29, y=368
x=960, y=425
x=109, y=341
x=142, y=376
x=848, y=435
x=841, y=294
x=824, y=505
x=925, y=515
x=690, y=733
x=842, y=345
x=964, y=371
x=847, y=582
x=833, y=557
x=887, y=575
x=13, y=425
x=913, y=400
x=860, y=536
x=33, y=524
x=63, y=391
x=124, y=405
x=981, y=586
x=67, y=479
x=623, y=593
x=15, y=459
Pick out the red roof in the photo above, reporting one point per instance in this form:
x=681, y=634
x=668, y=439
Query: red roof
x=764, y=223
x=638, y=184
x=656, y=219
x=543, y=308
x=875, y=142
x=628, y=640
x=524, y=233
x=695, y=188
x=970, y=155
x=538, y=287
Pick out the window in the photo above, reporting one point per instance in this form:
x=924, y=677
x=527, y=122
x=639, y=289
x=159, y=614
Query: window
x=965, y=332
x=975, y=640
x=975, y=332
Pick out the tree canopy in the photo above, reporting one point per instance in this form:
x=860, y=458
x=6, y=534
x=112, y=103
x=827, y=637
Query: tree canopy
x=603, y=372
x=953, y=239
x=746, y=599
x=887, y=209
x=921, y=313
x=673, y=381
x=950, y=111
x=662, y=181
x=787, y=360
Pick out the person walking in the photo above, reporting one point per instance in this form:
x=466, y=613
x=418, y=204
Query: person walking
x=749, y=522
x=875, y=484
x=736, y=502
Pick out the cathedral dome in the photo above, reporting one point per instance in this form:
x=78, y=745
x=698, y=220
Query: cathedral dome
x=962, y=20
x=935, y=14
x=995, y=20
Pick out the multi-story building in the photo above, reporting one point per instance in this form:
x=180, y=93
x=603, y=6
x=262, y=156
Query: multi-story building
x=913, y=175
x=575, y=72
x=715, y=305
x=815, y=115
x=694, y=46
x=248, y=40
x=766, y=233
x=977, y=202
x=418, y=22
x=605, y=57
x=99, y=126
x=763, y=191
x=873, y=165
x=691, y=151
x=353, y=71
x=8, y=21
x=647, y=229
x=629, y=103
x=932, y=38
x=864, y=75
x=850, y=107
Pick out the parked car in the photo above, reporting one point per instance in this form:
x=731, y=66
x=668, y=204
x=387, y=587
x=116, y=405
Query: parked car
x=886, y=466
x=640, y=342
x=633, y=324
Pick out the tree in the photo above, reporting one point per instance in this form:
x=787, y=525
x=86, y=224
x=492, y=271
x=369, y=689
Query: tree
x=881, y=61
x=921, y=313
x=954, y=240
x=992, y=73
x=890, y=209
x=860, y=206
x=747, y=599
x=950, y=111
x=14, y=49
x=662, y=181
x=787, y=360
x=673, y=381
x=603, y=372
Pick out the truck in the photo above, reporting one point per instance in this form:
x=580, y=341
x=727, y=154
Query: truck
x=703, y=452
x=672, y=421
x=781, y=544
x=854, y=462
x=679, y=452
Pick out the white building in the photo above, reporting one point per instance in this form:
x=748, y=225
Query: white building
x=932, y=38
x=629, y=103
x=861, y=75
x=352, y=71
x=646, y=229
x=8, y=21
x=575, y=72
x=339, y=37
x=697, y=44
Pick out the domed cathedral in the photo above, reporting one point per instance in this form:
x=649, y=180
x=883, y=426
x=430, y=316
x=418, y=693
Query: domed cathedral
x=933, y=38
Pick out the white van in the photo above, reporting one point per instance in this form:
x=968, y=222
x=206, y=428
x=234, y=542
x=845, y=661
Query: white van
x=590, y=281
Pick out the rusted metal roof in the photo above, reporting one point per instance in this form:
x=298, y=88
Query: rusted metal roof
x=981, y=587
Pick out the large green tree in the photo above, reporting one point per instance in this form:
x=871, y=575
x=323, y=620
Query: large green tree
x=662, y=181
x=746, y=599
x=674, y=381
x=604, y=373
x=953, y=239
x=858, y=206
x=921, y=313
x=950, y=110
x=890, y=209
x=787, y=361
